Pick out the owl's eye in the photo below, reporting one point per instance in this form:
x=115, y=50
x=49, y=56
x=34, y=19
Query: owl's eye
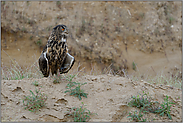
x=62, y=29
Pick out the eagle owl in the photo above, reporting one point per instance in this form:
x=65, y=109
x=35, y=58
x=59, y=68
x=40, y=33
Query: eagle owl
x=55, y=56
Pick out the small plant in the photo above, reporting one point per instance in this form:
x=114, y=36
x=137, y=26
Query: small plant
x=134, y=66
x=153, y=107
x=171, y=19
x=80, y=114
x=70, y=78
x=24, y=29
x=136, y=117
x=57, y=78
x=28, y=3
x=145, y=103
x=77, y=91
x=39, y=42
x=31, y=37
x=165, y=108
x=142, y=15
x=35, y=83
x=58, y=3
x=34, y=102
x=140, y=101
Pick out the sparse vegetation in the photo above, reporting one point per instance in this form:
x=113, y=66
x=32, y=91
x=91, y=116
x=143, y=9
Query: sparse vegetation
x=35, y=101
x=142, y=15
x=137, y=117
x=31, y=37
x=35, y=83
x=171, y=19
x=77, y=91
x=58, y=78
x=23, y=29
x=134, y=66
x=165, y=108
x=58, y=4
x=146, y=104
x=15, y=72
x=80, y=114
x=140, y=101
x=175, y=80
x=28, y=3
x=39, y=42
x=70, y=78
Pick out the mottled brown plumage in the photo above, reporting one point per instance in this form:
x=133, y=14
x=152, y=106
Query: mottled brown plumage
x=55, y=55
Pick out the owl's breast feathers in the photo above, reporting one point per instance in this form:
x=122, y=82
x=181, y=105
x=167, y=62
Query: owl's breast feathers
x=57, y=51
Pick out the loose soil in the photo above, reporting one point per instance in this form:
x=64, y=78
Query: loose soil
x=108, y=96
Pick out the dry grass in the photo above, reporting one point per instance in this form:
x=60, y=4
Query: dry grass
x=173, y=79
x=15, y=72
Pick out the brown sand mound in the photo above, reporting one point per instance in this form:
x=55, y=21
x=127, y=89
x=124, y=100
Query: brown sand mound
x=108, y=96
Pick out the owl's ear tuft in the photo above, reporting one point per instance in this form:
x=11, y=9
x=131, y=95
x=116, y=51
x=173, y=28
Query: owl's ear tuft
x=56, y=27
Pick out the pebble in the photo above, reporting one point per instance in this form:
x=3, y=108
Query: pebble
x=94, y=79
x=109, y=88
x=55, y=104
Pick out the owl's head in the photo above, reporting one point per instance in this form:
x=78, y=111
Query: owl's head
x=61, y=31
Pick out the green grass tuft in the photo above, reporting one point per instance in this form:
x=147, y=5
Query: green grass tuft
x=35, y=101
x=35, y=83
x=80, y=114
x=146, y=104
x=136, y=117
x=164, y=108
x=140, y=101
x=134, y=66
x=58, y=78
x=77, y=91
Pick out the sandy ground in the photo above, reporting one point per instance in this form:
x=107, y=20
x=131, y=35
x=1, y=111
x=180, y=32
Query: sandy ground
x=108, y=96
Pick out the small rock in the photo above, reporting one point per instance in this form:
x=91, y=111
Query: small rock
x=55, y=104
x=17, y=103
x=94, y=79
x=108, y=88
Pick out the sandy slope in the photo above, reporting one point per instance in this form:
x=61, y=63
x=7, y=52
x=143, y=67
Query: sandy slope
x=107, y=96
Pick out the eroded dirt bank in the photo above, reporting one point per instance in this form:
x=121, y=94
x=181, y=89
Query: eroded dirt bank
x=103, y=35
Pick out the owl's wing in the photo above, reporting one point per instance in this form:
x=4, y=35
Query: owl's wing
x=68, y=63
x=43, y=64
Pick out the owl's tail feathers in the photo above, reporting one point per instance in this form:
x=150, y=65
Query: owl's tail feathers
x=68, y=63
x=43, y=64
